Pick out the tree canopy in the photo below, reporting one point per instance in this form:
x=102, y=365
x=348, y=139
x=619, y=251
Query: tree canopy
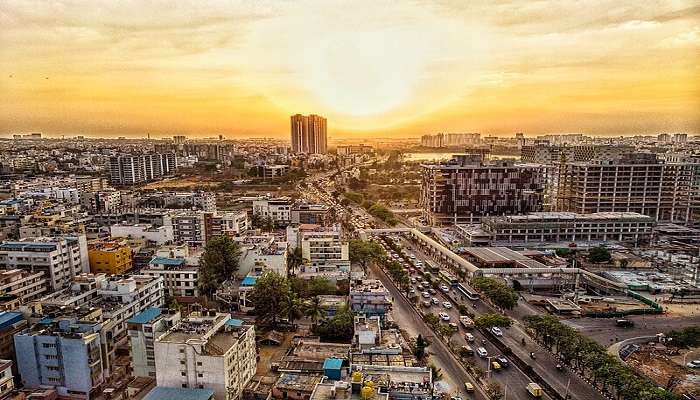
x=599, y=254
x=498, y=292
x=365, y=251
x=218, y=263
x=272, y=297
x=489, y=320
x=338, y=328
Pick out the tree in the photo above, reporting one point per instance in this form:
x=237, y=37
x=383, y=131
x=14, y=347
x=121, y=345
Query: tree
x=599, y=254
x=313, y=309
x=489, y=320
x=432, y=320
x=493, y=391
x=354, y=197
x=218, y=263
x=338, y=328
x=271, y=298
x=364, y=252
x=421, y=344
x=292, y=307
x=321, y=286
x=436, y=372
x=294, y=260
x=498, y=292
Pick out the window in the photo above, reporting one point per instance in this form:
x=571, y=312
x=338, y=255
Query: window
x=183, y=373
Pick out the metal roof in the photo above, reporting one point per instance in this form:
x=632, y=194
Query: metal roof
x=145, y=316
x=167, y=261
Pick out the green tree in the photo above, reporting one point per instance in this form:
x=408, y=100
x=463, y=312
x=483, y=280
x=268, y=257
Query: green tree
x=321, y=286
x=218, y=263
x=338, y=328
x=271, y=298
x=294, y=260
x=313, y=310
x=365, y=251
x=432, y=320
x=498, y=292
x=354, y=197
x=599, y=254
x=421, y=344
x=493, y=391
x=489, y=320
x=436, y=372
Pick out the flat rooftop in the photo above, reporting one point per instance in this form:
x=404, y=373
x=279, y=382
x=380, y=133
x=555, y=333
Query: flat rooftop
x=495, y=254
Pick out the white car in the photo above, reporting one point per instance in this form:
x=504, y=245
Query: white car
x=482, y=352
x=497, y=331
x=469, y=337
x=435, y=300
x=426, y=295
x=413, y=280
x=444, y=288
x=444, y=316
x=447, y=305
x=693, y=364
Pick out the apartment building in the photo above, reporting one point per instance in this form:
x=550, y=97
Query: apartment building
x=324, y=251
x=561, y=227
x=59, y=258
x=11, y=323
x=279, y=210
x=7, y=383
x=542, y=152
x=179, y=276
x=450, y=139
x=22, y=285
x=467, y=188
x=352, y=149
x=144, y=328
x=101, y=202
x=109, y=257
x=308, y=134
x=63, y=353
x=638, y=182
x=189, y=227
x=136, y=169
x=207, y=350
x=261, y=254
x=304, y=213
x=229, y=223
x=370, y=297
x=157, y=234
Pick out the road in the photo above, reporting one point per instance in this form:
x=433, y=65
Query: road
x=407, y=318
x=604, y=331
x=545, y=364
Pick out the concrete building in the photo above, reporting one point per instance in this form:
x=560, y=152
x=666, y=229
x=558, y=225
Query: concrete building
x=325, y=253
x=560, y=227
x=467, y=188
x=354, y=149
x=157, y=234
x=228, y=223
x=304, y=213
x=542, y=152
x=59, y=258
x=188, y=227
x=136, y=169
x=109, y=257
x=144, y=328
x=207, y=350
x=279, y=210
x=309, y=134
x=638, y=182
x=7, y=383
x=179, y=276
x=23, y=285
x=64, y=354
x=101, y=202
x=11, y=323
x=261, y=254
x=370, y=297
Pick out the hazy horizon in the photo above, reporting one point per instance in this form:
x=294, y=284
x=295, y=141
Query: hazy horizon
x=388, y=69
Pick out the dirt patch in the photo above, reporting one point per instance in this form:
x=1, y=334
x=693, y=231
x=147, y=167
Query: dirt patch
x=269, y=354
x=658, y=364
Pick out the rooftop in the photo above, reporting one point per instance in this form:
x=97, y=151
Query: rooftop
x=145, y=316
x=168, y=393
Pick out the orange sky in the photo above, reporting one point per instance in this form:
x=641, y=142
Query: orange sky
x=374, y=68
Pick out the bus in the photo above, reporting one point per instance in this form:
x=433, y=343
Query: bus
x=473, y=296
x=448, y=278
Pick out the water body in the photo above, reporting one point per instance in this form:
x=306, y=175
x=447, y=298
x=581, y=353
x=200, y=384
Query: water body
x=446, y=156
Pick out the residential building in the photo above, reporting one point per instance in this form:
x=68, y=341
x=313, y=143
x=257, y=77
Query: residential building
x=109, y=257
x=168, y=393
x=450, y=139
x=370, y=297
x=467, y=188
x=63, y=353
x=354, y=149
x=278, y=210
x=11, y=322
x=542, y=152
x=304, y=213
x=159, y=235
x=189, y=227
x=7, y=383
x=260, y=254
x=309, y=134
x=59, y=258
x=101, y=202
x=23, y=285
x=229, y=223
x=207, y=350
x=325, y=253
x=144, y=328
x=268, y=171
x=179, y=275
x=637, y=182
x=136, y=169
x=561, y=227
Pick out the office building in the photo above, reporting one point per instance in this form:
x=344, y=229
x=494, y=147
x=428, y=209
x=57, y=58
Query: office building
x=303, y=213
x=467, y=188
x=278, y=210
x=144, y=328
x=309, y=134
x=207, y=350
x=136, y=169
x=637, y=182
x=567, y=227
x=59, y=258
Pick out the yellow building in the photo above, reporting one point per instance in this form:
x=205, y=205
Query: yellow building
x=110, y=257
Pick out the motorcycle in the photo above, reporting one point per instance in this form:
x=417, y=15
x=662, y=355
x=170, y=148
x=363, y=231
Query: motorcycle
x=532, y=355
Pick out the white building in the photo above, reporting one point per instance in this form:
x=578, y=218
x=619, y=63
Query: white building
x=144, y=327
x=188, y=227
x=102, y=201
x=278, y=210
x=179, y=276
x=158, y=234
x=207, y=350
x=25, y=285
x=59, y=258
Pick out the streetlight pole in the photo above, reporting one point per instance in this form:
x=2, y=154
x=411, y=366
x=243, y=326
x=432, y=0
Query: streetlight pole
x=488, y=367
x=566, y=397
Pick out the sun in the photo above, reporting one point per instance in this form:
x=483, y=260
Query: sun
x=363, y=73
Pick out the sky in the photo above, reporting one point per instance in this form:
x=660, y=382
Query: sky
x=373, y=68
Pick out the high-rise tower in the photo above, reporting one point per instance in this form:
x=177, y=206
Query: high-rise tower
x=308, y=133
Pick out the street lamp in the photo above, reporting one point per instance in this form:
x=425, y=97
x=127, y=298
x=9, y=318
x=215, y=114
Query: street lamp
x=488, y=367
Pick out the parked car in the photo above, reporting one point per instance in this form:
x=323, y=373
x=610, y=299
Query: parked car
x=694, y=364
x=482, y=352
x=426, y=295
x=444, y=288
x=435, y=300
x=444, y=316
x=431, y=291
x=447, y=305
x=497, y=331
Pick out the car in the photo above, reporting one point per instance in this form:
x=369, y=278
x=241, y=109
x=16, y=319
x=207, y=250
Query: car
x=495, y=366
x=412, y=256
x=435, y=300
x=426, y=283
x=426, y=303
x=503, y=361
x=447, y=305
x=469, y=337
x=444, y=288
x=413, y=280
x=693, y=364
x=413, y=290
x=497, y=331
x=482, y=352
x=453, y=325
x=426, y=295
x=469, y=387
x=444, y=317
x=431, y=291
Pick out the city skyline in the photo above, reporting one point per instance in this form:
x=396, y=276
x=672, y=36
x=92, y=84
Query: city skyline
x=381, y=70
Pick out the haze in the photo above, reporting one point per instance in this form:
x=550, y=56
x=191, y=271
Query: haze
x=372, y=68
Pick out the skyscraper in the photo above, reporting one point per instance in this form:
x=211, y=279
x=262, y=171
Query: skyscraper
x=309, y=134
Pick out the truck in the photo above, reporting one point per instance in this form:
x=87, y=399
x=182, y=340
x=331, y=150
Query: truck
x=535, y=390
x=466, y=322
